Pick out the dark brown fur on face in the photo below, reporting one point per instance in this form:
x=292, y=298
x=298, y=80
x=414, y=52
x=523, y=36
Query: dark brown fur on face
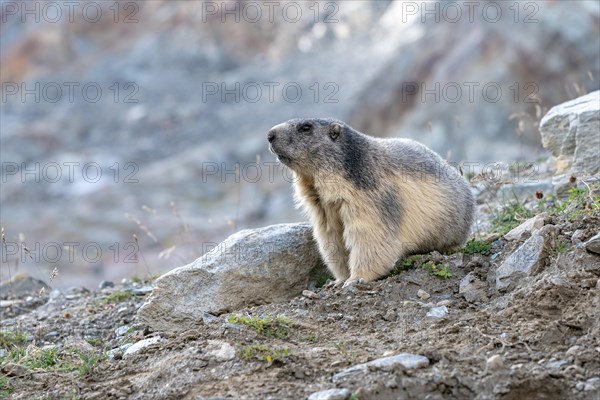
x=372, y=201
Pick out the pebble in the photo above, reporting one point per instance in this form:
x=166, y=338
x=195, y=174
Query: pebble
x=593, y=244
x=494, y=363
x=220, y=350
x=438, y=312
x=406, y=360
x=331, y=394
x=573, y=350
x=105, y=284
x=142, y=290
x=310, y=294
x=12, y=369
x=111, y=353
x=423, y=295
x=577, y=236
x=556, y=364
x=142, y=344
x=585, y=387
x=122, y=330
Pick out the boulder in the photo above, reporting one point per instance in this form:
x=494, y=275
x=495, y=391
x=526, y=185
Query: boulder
x=571, y=131
x=251, y=267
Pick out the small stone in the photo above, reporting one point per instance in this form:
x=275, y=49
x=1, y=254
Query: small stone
x=331, y=394
x=52, y=334
x=55, y=294
x=573, y=350
x=556, y=364
x=580, y=386
x=122, y=330
x=494, y=363
x=220, y=350
x=404, y=360
x=576, y=237
x=532, y=225
x=423, y=295
x=438, y=312
x=593, y=244
x=121, y=349
x=17, y=370
x=310, y=294
x=142, y=344
x=588, y=388
x=142, y=290
x=105, y=284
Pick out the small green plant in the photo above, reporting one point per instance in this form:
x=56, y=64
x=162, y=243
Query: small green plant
x=474, y=246
x=96, y=342
x=310, y=338
x=277, y=327
x=118, y=297
x=88, y=362
x=405, y=264
x=354, y=396
x=62, y=360
x=5, y=387
x=144, y=279
x=321, y=278
x=561, y=247
x=441, y=271
x=262, y=353
x=510, y=216
x=579, y=203
x=12, y=339
x=15, y=343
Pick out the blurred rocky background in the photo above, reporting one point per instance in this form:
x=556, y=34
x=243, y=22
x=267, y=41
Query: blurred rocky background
x=133, y=133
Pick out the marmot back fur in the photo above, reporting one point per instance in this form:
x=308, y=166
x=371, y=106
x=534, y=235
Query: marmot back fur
x=372, y=201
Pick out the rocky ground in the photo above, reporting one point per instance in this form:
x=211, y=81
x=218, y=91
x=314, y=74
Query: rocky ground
x=507, y=317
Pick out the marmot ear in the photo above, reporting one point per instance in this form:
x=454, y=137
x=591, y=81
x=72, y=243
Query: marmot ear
x=335, y=131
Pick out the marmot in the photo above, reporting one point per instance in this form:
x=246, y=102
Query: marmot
x=371, y=201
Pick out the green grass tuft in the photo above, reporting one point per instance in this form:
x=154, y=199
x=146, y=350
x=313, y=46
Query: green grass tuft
x=262, y=353
x=474, y=246
x=278, y=327
x=441, y=271
x=118, y=297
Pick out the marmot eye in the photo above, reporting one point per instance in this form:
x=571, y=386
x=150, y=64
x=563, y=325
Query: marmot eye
x=305, y=128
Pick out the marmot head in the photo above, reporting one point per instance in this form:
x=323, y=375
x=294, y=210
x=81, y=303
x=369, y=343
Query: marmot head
x=310, y=145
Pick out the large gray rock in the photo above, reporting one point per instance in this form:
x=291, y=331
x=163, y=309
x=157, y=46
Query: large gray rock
x=571, y=131
x=404, y=360
x=254, y=266
x=527, y=260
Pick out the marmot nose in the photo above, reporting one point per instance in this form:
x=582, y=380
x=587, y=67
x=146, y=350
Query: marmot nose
x=271, y=135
